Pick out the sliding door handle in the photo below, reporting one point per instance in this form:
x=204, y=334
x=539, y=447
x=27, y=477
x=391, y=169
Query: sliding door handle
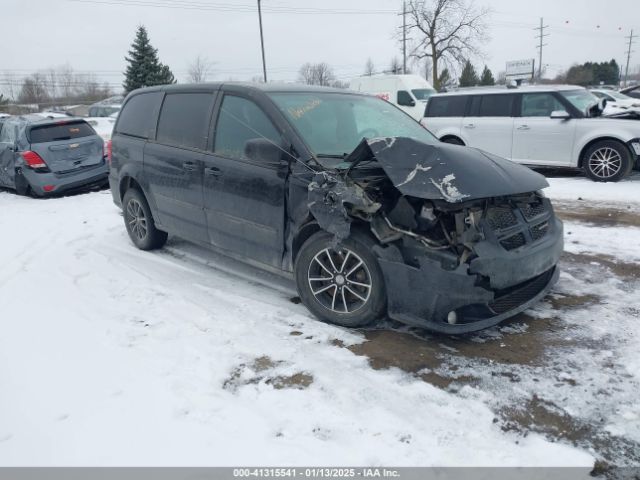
x=212, y=172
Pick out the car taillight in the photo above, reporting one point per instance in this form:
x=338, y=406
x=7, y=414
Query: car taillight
x=33, y=160
x=108, y=151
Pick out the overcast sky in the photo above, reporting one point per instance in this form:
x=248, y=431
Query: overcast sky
x=94, y=35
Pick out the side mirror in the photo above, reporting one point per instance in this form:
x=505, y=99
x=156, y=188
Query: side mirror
x=407, y=102
x=263, y=151
x=560, y=115
x=602, y=104
x=405, y=99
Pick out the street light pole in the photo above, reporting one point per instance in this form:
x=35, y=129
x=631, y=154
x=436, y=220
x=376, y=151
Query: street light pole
x=264, y=63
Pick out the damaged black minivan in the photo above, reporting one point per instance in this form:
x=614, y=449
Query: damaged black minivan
x=370, y=213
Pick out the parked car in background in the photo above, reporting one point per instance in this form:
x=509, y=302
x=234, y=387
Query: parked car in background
x=103, y=110
x=633, y=91
x=616, y=102
x=106, y=107
x=363, y=207
x=409, y=92
x=43, y=156
x=551, y=126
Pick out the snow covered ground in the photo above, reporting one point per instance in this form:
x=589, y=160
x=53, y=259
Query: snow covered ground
x=113, y=356
x=569, y=188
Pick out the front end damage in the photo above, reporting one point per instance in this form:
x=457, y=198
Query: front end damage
x=466, y=240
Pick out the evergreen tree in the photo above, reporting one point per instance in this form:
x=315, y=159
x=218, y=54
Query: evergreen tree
x=468, y=77
x=145, y=69
x=487, y=77
x=444, y=80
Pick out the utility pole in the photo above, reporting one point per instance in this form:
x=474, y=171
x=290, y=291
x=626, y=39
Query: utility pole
x=264, y=63
x=404, y=37
x=539, y=47
x=629, y=52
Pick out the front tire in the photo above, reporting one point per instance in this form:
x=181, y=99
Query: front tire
x=607, y=161
x=341, y=284
x=139, y=222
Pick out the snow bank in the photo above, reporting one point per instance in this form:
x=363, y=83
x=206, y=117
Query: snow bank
x=113, y=356
x=626, y=192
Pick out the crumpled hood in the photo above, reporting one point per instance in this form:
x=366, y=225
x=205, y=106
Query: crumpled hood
x=446, y=172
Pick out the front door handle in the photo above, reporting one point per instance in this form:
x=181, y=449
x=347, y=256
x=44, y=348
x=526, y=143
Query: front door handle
x=212, y=171
x=524, y=127
x=469, y=125
x=189, y=166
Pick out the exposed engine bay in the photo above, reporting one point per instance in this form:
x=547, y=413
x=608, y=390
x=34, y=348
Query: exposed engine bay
x=464, y=237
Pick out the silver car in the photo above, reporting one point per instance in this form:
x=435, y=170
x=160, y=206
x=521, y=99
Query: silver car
x=44, y=156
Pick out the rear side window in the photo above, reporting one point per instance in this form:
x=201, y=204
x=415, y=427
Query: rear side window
x=137, y=118
x=447, y=106
x=60, y=131
x=241, y=120
x=184, y=120
x=539, y=105
x=496, y=106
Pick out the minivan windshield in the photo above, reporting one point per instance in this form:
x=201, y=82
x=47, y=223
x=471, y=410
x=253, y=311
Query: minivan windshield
x=423, y=93
x=333, y=124
x=581, y=99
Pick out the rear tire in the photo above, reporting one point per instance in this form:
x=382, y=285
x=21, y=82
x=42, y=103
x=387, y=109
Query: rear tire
x=607, y=161
x=139, y=222
x=341, y=284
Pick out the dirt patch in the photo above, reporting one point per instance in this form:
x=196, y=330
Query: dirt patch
x=573, y=301
x=298, y=381
x=618, y=267
x=603, y=217
x=261, y=370
x=543, y=417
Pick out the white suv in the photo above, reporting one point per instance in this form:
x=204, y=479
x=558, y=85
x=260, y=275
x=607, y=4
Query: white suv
x=554, y=126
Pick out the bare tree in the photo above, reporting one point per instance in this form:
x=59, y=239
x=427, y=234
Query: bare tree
x=199, y=70
x=369, y=67
x=448, y=31
x=66, y=81
x=316, y=74
x=34, y=89
x=11, y=85
x=395, y=67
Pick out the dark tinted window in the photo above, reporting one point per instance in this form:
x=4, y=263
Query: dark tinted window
x=496, y=106
x=184, y=119
x=404, y=99
x=137, y=118
x=60, y=131
x=241, y=120
x=539, y=105
x=447, y=106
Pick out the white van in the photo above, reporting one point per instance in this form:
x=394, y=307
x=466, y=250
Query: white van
x=409, y=92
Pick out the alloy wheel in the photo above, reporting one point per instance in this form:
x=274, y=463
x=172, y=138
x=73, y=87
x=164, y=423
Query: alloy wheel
x=339, y=280
x=605, y=162
x=137, y=219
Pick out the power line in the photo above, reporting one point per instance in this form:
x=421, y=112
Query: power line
x=541, y=45
x=225, y=7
